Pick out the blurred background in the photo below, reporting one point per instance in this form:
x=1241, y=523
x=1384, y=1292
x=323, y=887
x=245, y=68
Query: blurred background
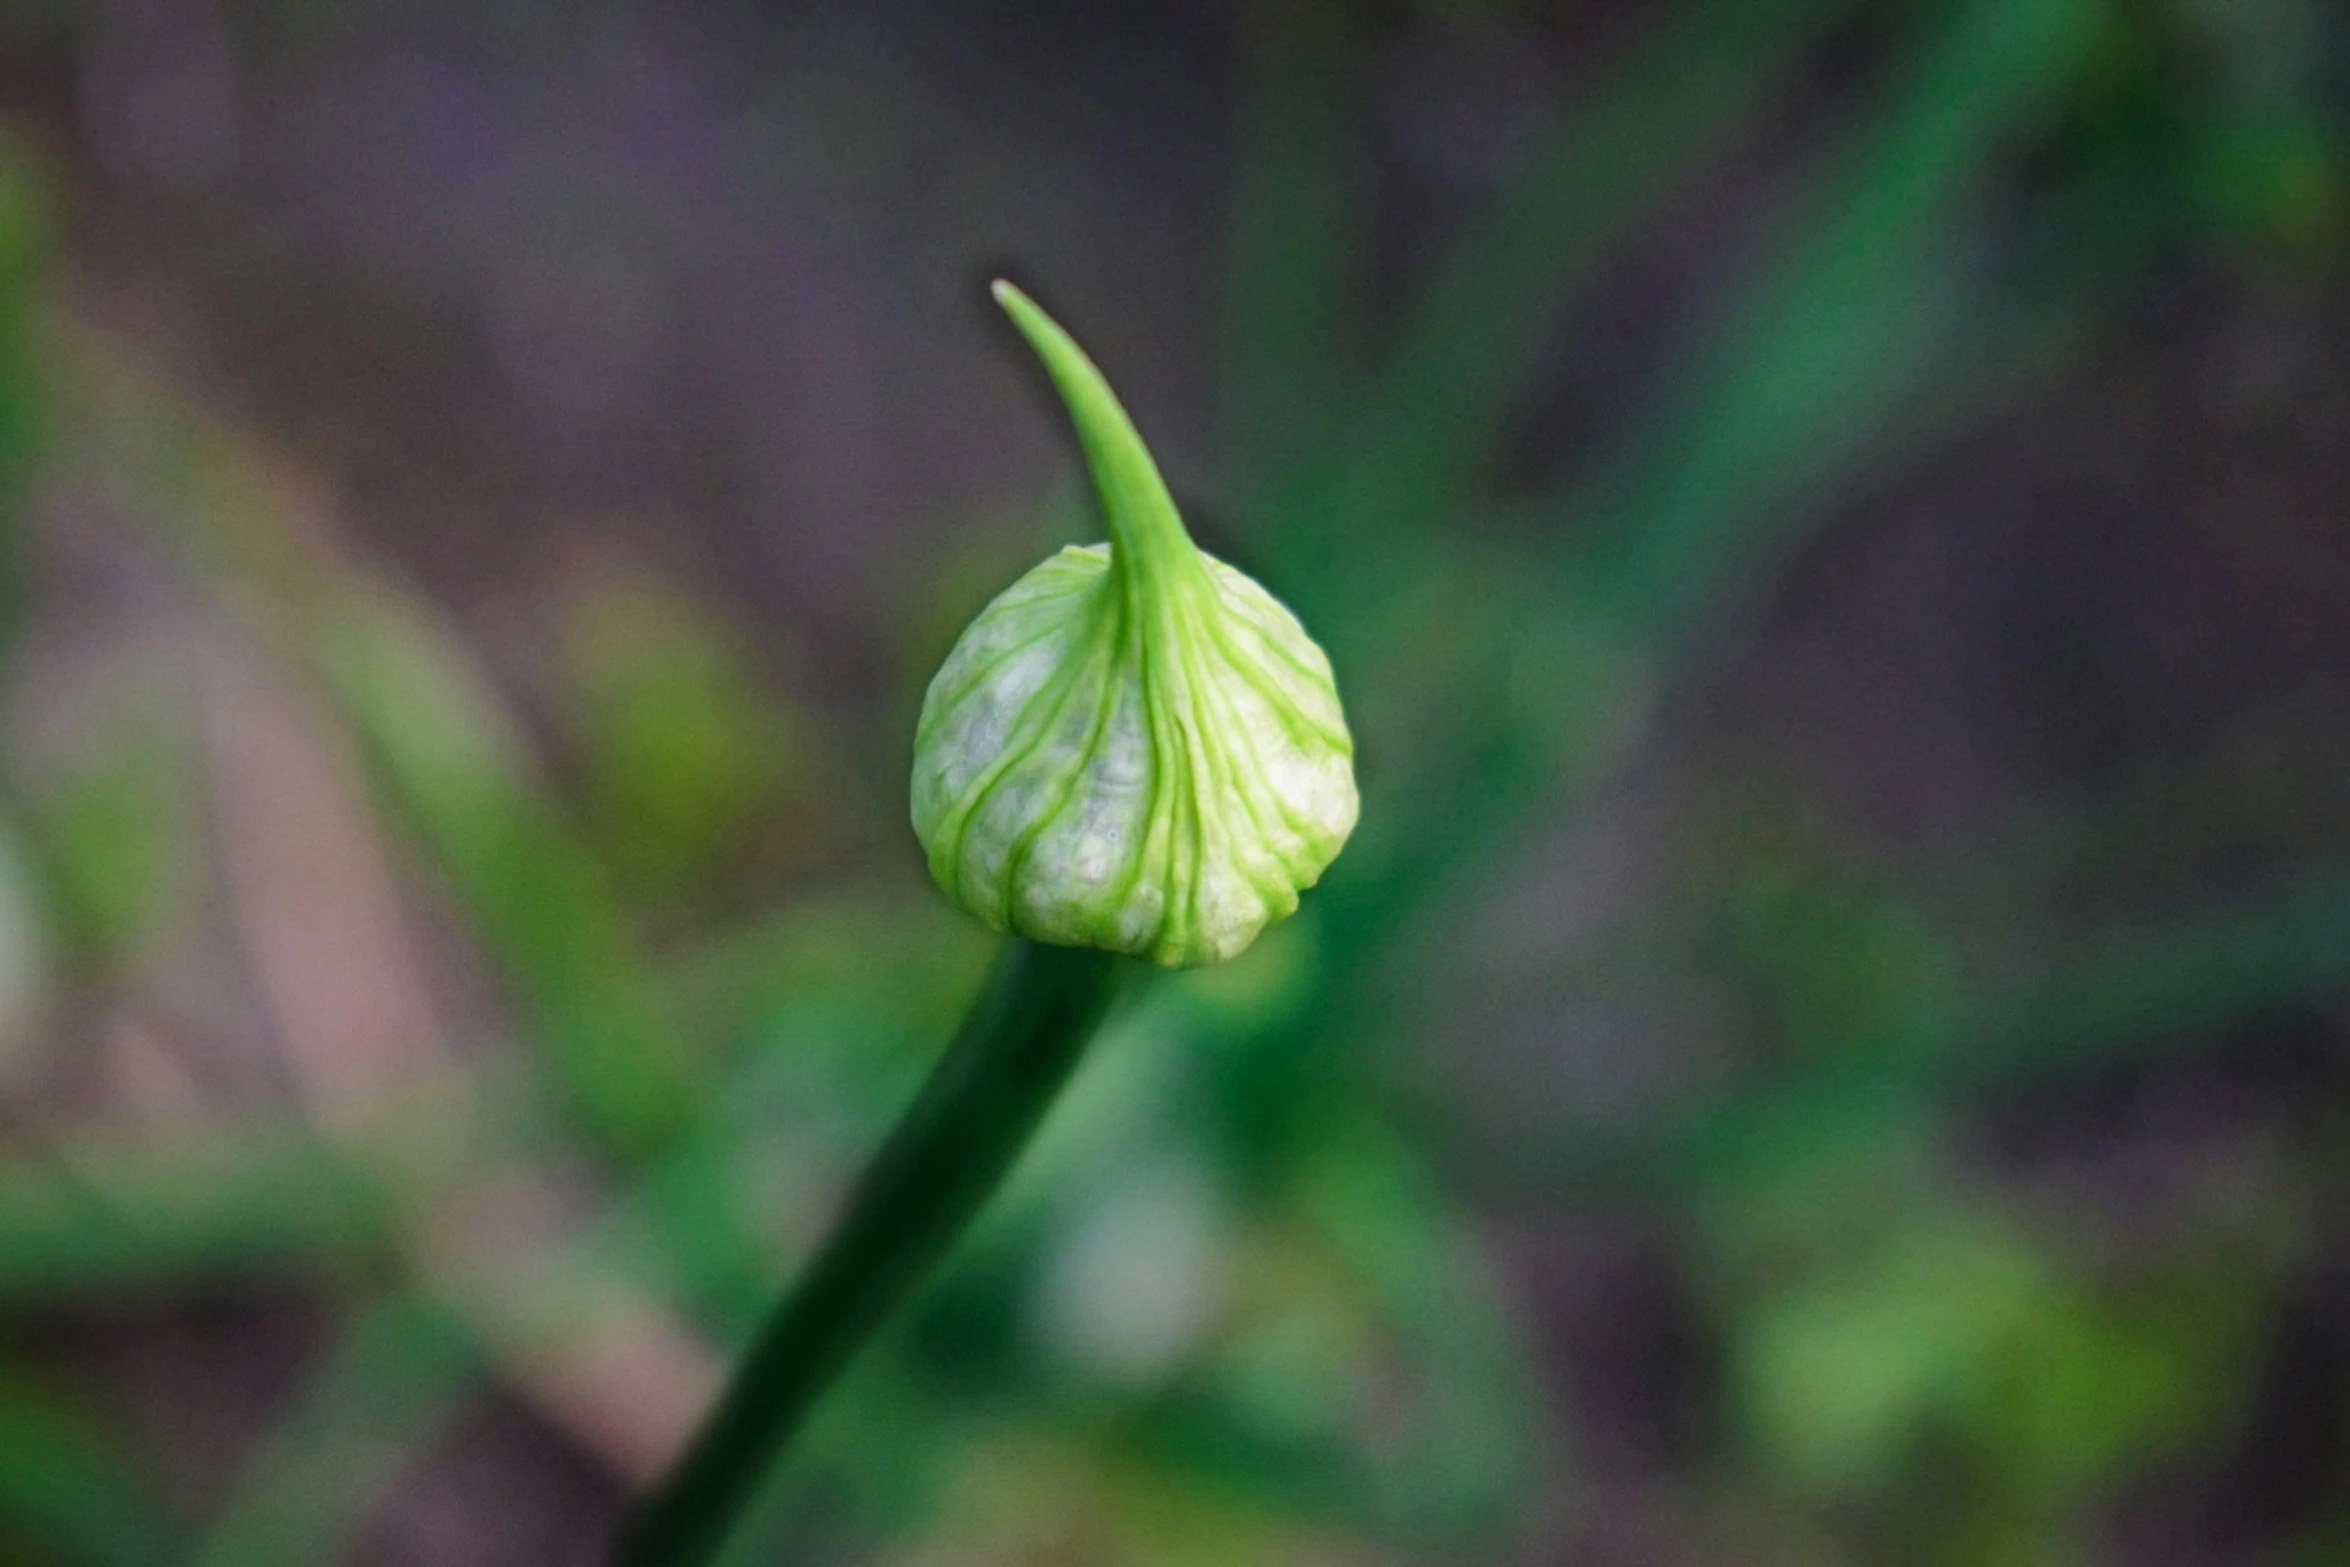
x=1830, y=1046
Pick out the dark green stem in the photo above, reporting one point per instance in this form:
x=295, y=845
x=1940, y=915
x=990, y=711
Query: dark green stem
x=950, y=1151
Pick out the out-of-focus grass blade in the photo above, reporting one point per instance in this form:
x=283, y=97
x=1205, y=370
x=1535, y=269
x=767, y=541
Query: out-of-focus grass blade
x=1475, y=1447
x=1447, y=1467
x=105, y=843
x=137, y=1212
x=2286, y=949
x=26, y=228
x=406, y=1364
x=1486, y=322
x=441, y=746
x=1795, y=378
x=1793, y=375
x=2122, y=993
x=1299, y=173
x=401, y=1372
x=537, y=895
x=65, y=1493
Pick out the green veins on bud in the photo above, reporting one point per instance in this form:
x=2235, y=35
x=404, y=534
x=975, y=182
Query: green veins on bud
x=1134, y=746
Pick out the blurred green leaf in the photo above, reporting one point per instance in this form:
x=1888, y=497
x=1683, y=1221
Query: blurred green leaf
x=1839, y=963
x=1299, y=182
x=539, y=899
x=1794, y=376
x=1953, y=1367
x=67, y=1492
x=691, y=767
x=1795, y=371
x=111, y=840
x=28, y=229
x=399, y=1373
x=1480, y=329
x=128, y=1211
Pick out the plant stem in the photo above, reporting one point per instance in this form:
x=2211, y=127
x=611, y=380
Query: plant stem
x=949, y=1152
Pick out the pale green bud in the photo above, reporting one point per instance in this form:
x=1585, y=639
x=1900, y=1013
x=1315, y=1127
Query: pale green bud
x=1134, y=746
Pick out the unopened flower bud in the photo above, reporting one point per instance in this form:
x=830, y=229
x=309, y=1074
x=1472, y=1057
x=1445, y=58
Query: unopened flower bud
x=1135, y=746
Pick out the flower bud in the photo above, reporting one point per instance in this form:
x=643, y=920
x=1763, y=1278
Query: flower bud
x=1134, y=746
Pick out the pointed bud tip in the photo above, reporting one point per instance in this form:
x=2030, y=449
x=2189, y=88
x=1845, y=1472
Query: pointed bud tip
x=1044, y=334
